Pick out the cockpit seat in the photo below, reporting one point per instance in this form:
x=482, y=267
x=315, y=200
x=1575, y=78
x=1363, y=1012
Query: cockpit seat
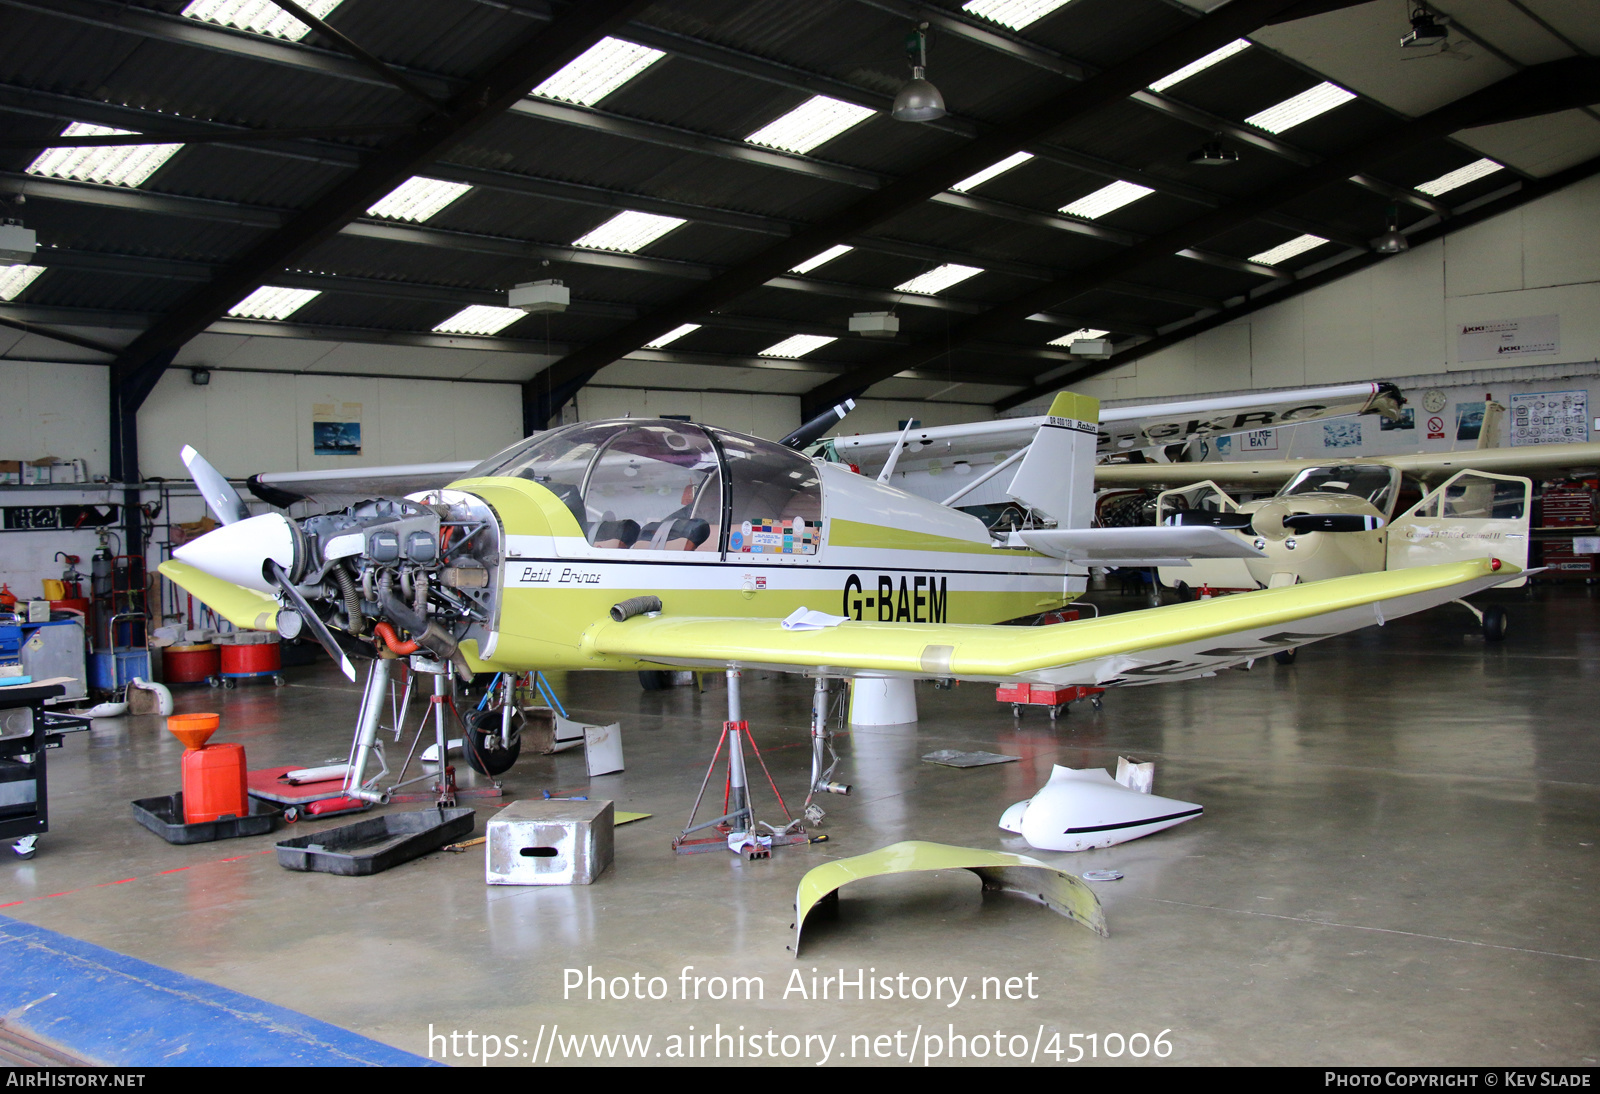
x=619, y=534
x=676, y=534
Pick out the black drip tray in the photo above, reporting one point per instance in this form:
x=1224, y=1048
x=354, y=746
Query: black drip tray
x=373, y=845
x=164, y=817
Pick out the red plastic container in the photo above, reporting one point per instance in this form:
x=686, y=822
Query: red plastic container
x=189, y=664
x=261, y=657
x=214, y=783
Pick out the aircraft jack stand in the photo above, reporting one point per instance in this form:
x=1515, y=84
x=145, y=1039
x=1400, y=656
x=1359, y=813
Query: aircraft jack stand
x=737, y=828
x=445, y=792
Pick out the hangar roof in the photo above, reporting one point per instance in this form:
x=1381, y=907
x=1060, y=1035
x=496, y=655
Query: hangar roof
x=403, y=160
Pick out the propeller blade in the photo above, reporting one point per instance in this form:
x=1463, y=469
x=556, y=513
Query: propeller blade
x=224, y=500
x=1237, y=522
x=311, y=619
x=1301, y=523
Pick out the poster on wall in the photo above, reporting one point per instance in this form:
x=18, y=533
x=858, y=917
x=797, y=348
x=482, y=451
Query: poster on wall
x=1407, y=420
x=1469, y=421
x=336, y=429
x=1530, y=336
x=1341, y=434
x=1550, y=417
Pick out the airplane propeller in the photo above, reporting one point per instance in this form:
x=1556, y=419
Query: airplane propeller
x=1301, y=523
x=1237, y=522
x=230, y=508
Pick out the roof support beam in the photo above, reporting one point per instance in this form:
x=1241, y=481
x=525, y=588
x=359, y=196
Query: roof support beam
x=939, y=174
x=532, y=61
x=1538, y=90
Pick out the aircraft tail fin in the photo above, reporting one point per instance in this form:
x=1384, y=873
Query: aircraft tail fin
x=1057, y=475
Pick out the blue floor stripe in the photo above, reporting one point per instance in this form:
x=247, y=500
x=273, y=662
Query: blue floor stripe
x=117, y=1010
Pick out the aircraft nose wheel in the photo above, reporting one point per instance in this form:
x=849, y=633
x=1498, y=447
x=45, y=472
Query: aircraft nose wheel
x=485, y=752
x=1284, y=657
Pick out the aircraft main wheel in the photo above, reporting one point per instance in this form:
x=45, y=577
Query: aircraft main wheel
x=1284, y=657
x=652, y=680
x=1185, y=593
x=482, y=747
x=1494, y=624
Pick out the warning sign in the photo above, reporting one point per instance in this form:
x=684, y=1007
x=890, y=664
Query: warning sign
x=1436, y=428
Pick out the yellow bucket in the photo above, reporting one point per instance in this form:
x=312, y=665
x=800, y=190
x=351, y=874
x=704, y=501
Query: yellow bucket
x=54, y=589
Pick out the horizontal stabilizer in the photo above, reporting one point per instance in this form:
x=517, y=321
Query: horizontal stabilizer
x=1163, y=546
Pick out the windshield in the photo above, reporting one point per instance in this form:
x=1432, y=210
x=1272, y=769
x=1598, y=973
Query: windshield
x=1358, y=480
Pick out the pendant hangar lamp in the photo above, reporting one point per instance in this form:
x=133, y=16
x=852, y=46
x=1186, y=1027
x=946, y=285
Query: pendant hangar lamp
x=1393, y=241
x=918, y=100
x=1212, y=154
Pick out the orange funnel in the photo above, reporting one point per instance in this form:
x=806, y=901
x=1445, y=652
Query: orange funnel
x=194, y=730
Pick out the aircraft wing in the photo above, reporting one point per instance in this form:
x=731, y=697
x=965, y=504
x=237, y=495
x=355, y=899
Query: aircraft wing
x=1142, y=647
x=1128, y=427
x=1534, y=459
x=344, y=487
x=242, y=607
x=1163, y=546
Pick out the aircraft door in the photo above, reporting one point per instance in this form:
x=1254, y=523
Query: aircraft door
x=1473, y=514
x=1218, y=573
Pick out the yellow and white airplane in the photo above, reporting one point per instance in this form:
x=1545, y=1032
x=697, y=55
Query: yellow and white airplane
x=642, y=544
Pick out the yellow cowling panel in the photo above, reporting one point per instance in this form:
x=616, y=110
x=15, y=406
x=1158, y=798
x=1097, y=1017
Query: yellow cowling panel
x=240, y=606
x=943, y=649
x=1061, y=892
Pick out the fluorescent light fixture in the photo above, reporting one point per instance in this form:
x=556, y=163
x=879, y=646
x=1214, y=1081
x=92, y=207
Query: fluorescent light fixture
x=480, y=319
x=598, y=71
x=1015, y=14
x=1078, y=335
x=628, y=231
x=273, y=302
x=1238, y=45
x=258, y=16
x=1302, y=108
x=13, y=279
x=938, y=279
x=417, y=199
x=817, y=120
x=818, y=260
x=1285, y=251
x=1106, y=199
x=118, y=165
x=797, y=345
x=672, y=336
x=1451, y=180
x=992, y=171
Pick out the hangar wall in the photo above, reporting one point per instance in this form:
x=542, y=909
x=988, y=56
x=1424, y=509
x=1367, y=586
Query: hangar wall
x=1400, y=317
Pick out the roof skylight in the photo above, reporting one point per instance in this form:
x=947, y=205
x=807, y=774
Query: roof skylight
x=1106, y=199
x=672, y=336
x=817, y=120
x=13, y=279
x=480, y=319
x=258, y=16
x=117, y=165
x=628, y=231
x=1015, y=14
x=994, y=170
x=417, y=199
x=598, y=71
x=818, y=260
x=1078, y=335
x=1285, y=251
x=1302, y=108
x=1238, y=45
x=273, y=302
x=938, y=279
x=797, y=345
x=1452, y=180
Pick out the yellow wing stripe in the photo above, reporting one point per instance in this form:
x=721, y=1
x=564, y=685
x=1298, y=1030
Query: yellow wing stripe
x=240, y=606
x=977, y=650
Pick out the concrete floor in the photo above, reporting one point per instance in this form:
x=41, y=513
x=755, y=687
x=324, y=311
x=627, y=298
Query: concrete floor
x=1397, y=865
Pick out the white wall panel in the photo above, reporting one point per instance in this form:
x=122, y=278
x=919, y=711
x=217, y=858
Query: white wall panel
x=54, y=410
x=1486, y=257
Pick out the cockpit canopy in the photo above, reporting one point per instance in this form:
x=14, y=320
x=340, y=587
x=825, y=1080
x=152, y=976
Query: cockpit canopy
x=646, y=484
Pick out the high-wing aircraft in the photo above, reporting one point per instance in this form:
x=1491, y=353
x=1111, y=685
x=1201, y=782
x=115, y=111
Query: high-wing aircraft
x=649, y=544
x=1359, y=515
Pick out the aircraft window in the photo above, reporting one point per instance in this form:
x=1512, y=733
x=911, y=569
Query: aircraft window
x=1411, y=492
x=1484, y=498
x=1369, y=482
x=776, y=506
x=655, y=486
x=557, y=460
